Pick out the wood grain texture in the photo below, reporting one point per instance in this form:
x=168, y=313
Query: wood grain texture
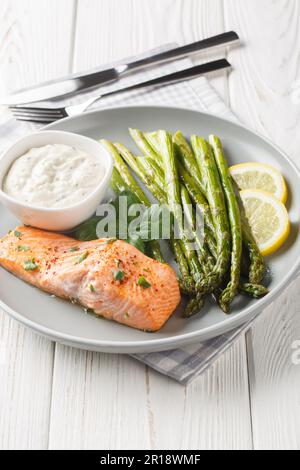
x=26, y=362
x=274, y=378
x=267, y=69
x=108, y=30
x=260, y=93
x=35, y=41
x=35, y=44
x=211, y=413
x=99, y=401
x=102, y=401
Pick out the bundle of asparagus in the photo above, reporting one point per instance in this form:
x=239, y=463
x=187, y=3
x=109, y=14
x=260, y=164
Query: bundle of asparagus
x=189, y=178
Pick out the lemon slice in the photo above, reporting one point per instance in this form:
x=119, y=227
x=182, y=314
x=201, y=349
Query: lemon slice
x=260, y=176
x=268, y=219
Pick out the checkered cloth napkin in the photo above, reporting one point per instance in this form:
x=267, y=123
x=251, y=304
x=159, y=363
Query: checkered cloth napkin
x=186, y=363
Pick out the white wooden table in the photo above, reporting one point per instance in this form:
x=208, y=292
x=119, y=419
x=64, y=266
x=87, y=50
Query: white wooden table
x=52, y=396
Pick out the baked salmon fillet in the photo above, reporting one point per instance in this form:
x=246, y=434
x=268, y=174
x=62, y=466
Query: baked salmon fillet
x=108, y=276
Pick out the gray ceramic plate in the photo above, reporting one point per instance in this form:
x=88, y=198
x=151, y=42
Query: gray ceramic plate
x=69, y=324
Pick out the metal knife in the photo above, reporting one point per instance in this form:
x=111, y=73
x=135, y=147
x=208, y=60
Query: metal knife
x=80, y=82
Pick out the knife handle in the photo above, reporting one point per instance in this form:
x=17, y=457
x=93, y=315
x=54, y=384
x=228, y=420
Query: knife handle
x=179, y=52
x=185, y=74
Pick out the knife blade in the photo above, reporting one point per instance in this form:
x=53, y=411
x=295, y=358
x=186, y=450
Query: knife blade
x=79, y=82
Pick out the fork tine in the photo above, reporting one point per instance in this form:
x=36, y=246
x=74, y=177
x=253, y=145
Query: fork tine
x=35, y=118
x=37, y=112
x=37, y=109
x=37, y=115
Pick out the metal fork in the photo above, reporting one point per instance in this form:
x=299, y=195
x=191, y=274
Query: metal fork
x=45, y=115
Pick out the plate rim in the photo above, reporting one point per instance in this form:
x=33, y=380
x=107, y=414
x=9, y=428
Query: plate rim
x=227, y=324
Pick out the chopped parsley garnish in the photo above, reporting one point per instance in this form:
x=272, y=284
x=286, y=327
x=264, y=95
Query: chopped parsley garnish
x=74, y=248
x=82, y=257
x=118, y=275
x=92, y=288
x=109, y=241
x=142, y=281
x=17, y=234
x=30, y=265
x=90, y=311
x=23, y=248
x=118, y=262
x=126, y=315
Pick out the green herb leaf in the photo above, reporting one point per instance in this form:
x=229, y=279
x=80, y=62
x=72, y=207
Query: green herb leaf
x=74, y=248
x=126, y=315
x=118, y=262
x=30, y=265
x=23, y=248
x=110, y=241
x=118, y=275
x=142, y=281
x=87, y=230
x=82, y=257
x=92, y=288
x=17, y=234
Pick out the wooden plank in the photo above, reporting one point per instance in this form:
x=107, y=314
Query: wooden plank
x=110, y=29
x=35, y=41
x=261, y=94
x=101, y=401
x=274, y=378
x=266, y=68
x=211, y=413
x=26, y=361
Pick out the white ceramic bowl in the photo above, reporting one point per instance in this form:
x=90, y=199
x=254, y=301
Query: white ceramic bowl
x=58, y=219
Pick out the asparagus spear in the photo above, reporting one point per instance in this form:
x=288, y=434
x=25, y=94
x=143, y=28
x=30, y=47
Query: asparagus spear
x=150, y=168
x=257, y=267
x=194, y=305
x=204, y=256
x=171, y=176
x=253, y=290
x=216, y=201
x=153, y=140
x=126, y=181
x=234, y=216
x=117, y=183
x=124, y=171
x=186, y=282
x=196, y=195
x=143, y=144
x=177, y=246
x=187, y=158
x=201, y=202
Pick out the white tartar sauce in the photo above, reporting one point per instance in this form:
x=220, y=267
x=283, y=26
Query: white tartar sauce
x=54, y=175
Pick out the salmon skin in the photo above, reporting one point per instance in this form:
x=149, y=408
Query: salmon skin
x=108, y=276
